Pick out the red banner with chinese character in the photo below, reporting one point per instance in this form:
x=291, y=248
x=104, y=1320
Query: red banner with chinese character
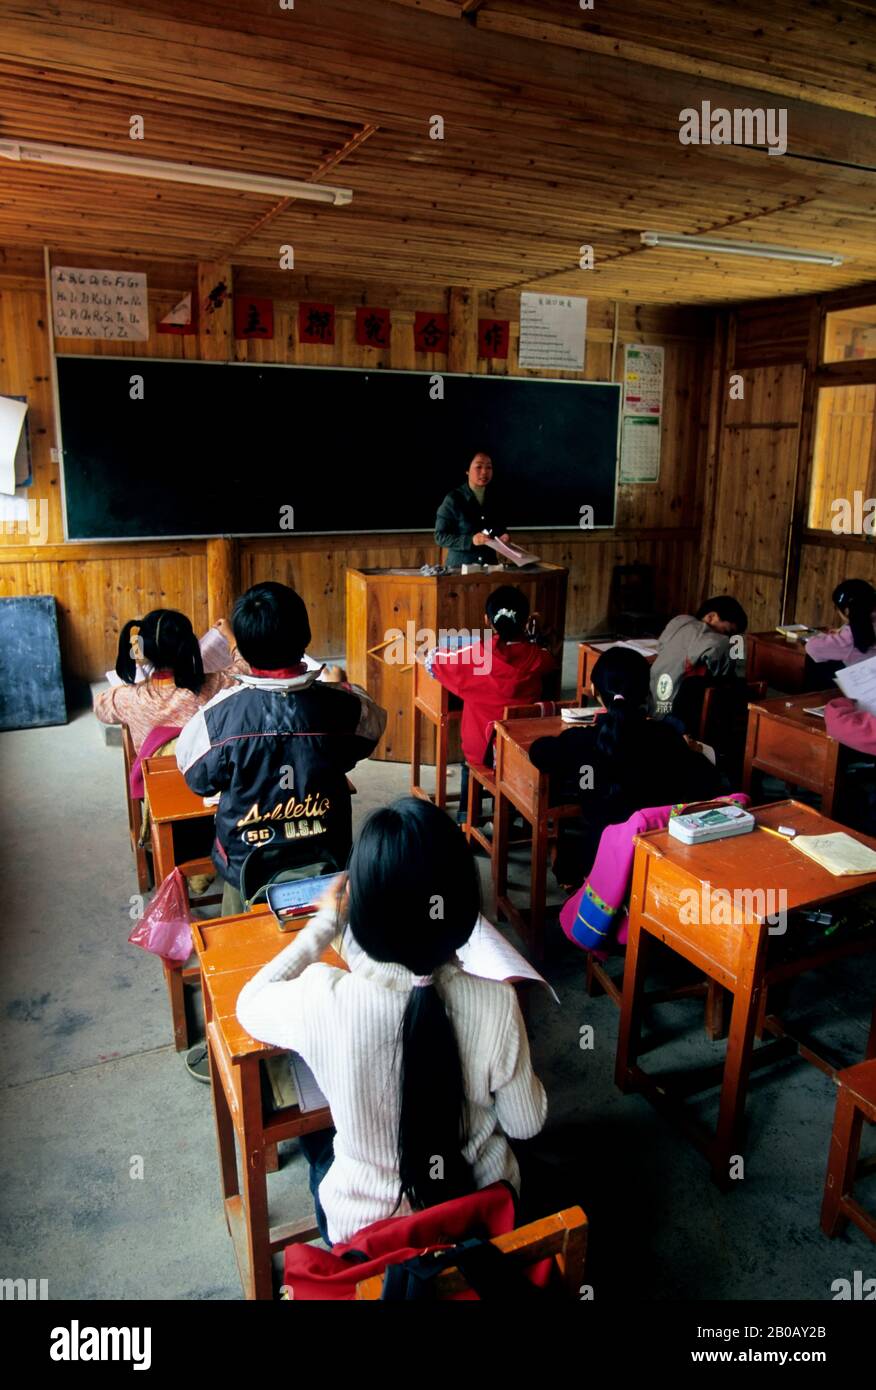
x=493, y=336
x=431, y=332
x=253, y=318
x=373, y=327
x=316, y=323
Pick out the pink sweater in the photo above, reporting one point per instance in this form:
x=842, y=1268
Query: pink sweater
x=837, y=646
x=850, y=725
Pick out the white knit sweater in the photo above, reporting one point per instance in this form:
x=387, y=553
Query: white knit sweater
x=345, y=1024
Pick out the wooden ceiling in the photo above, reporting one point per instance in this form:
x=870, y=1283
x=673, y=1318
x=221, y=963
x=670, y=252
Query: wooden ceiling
x=561, y=129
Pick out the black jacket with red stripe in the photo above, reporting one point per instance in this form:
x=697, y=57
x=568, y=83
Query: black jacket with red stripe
x=277, y=751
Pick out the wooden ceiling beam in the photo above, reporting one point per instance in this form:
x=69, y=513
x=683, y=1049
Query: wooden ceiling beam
x=673, y=60
x=330, y=162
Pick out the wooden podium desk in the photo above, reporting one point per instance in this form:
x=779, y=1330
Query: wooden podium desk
x=392, y=612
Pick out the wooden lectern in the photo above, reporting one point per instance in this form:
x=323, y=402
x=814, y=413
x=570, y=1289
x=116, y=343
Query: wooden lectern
x=391, y=613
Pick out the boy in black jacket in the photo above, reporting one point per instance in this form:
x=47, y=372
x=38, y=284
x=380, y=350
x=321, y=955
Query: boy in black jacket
x=278, y=745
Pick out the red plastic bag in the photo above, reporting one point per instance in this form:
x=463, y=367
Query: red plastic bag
x=165, y=927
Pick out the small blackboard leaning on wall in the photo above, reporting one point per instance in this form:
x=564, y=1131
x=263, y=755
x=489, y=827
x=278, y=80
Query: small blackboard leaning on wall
x=31, y=684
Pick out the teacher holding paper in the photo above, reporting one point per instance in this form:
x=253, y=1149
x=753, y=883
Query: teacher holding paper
x=467, y=514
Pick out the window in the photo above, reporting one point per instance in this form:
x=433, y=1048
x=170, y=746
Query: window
x=843, y=453
x=850, y=334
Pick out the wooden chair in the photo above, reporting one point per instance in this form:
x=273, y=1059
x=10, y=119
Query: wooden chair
x=561, y=1237
x=135, y=816
x=432, y=702
x=723, y=723
x=482, y=779
x=855, y=1103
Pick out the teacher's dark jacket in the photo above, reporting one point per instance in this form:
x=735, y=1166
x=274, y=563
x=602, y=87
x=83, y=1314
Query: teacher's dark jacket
x=459, y=519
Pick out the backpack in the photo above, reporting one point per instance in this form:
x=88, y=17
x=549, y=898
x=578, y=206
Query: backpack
x=268, y=864
x=413, y=1249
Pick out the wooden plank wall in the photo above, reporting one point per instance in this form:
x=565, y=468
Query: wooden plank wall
x=758, y=514
x=99, y=586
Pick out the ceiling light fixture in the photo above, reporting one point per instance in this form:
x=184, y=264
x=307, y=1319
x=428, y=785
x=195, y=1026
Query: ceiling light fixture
x=102, y=162
x=678, y=242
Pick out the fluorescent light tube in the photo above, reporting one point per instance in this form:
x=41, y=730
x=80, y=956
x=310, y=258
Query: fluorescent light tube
x=103, y=162
x=680, y=242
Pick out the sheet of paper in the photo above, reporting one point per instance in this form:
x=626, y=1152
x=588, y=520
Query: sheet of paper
x=858, y=682
x=215, y=651
x=511, y=552
x=310, y=1097
x=643, y=380
x=488, y=954
x=838, y=853
x=645, y=646
x=553, y=330
x=640, y=449
x=100, y=304
x=12, y=413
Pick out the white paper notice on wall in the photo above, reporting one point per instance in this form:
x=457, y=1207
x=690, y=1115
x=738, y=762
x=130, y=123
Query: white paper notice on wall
x=643, y=380
x=100, y=304
x=553, y=329
x=640, y=449
x=12, y=413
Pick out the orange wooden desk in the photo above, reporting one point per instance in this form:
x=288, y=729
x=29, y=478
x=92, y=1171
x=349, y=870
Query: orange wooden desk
x=230, y=951
x=795, y=746
x=432, y=703
x=520, y=784
x=735, y=955
x=775, y=659
x=588, y=655
x=170, y=801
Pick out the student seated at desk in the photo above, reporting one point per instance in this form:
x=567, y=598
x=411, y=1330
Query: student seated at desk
x=692, y=651
x=160, y=668
x=622, y=763
x=508, y=669
x=845, y=721
x=856, y=640
x=278, y=745
x=417, y=1060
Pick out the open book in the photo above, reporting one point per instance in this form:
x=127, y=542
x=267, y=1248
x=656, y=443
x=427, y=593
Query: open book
x=488, y=954
x=511, y=552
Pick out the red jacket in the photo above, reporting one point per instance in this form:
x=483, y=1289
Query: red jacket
x=850, y=725
x=486, y=680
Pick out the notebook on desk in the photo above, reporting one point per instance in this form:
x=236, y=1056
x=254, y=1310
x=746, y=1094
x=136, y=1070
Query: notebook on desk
x=839, y=853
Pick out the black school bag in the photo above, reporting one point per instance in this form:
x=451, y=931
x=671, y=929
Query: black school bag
x=268, y=864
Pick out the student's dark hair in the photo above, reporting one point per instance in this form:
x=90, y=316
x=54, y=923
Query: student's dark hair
x=508, y=609
x=621, y=677
x=857, y=599
x=167, y=640
x=729, y=610
x=414, y=900
x=271, y=626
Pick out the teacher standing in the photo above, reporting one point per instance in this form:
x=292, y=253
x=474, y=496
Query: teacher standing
x=467, y=514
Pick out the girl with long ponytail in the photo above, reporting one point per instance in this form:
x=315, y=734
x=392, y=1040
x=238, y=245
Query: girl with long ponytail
x=622, y=763
x=159, y=673
x=856, y=639
x=426, y=1069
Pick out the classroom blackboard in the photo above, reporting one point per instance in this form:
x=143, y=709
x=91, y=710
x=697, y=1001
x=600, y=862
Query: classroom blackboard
x=222, y=448
x=31, y=685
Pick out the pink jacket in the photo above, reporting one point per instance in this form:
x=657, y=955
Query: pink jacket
x=850, y=725
x=837, y=646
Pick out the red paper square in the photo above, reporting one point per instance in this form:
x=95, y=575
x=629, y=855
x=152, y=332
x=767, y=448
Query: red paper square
x=316, y=323
x=431, y=332
x=493, y=336
x=373, y=327
x=253, y=318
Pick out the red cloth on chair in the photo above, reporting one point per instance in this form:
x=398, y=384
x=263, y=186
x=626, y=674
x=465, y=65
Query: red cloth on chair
x=154, y=740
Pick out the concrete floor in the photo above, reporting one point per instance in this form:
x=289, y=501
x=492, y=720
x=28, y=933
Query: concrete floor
x=91, y=1083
